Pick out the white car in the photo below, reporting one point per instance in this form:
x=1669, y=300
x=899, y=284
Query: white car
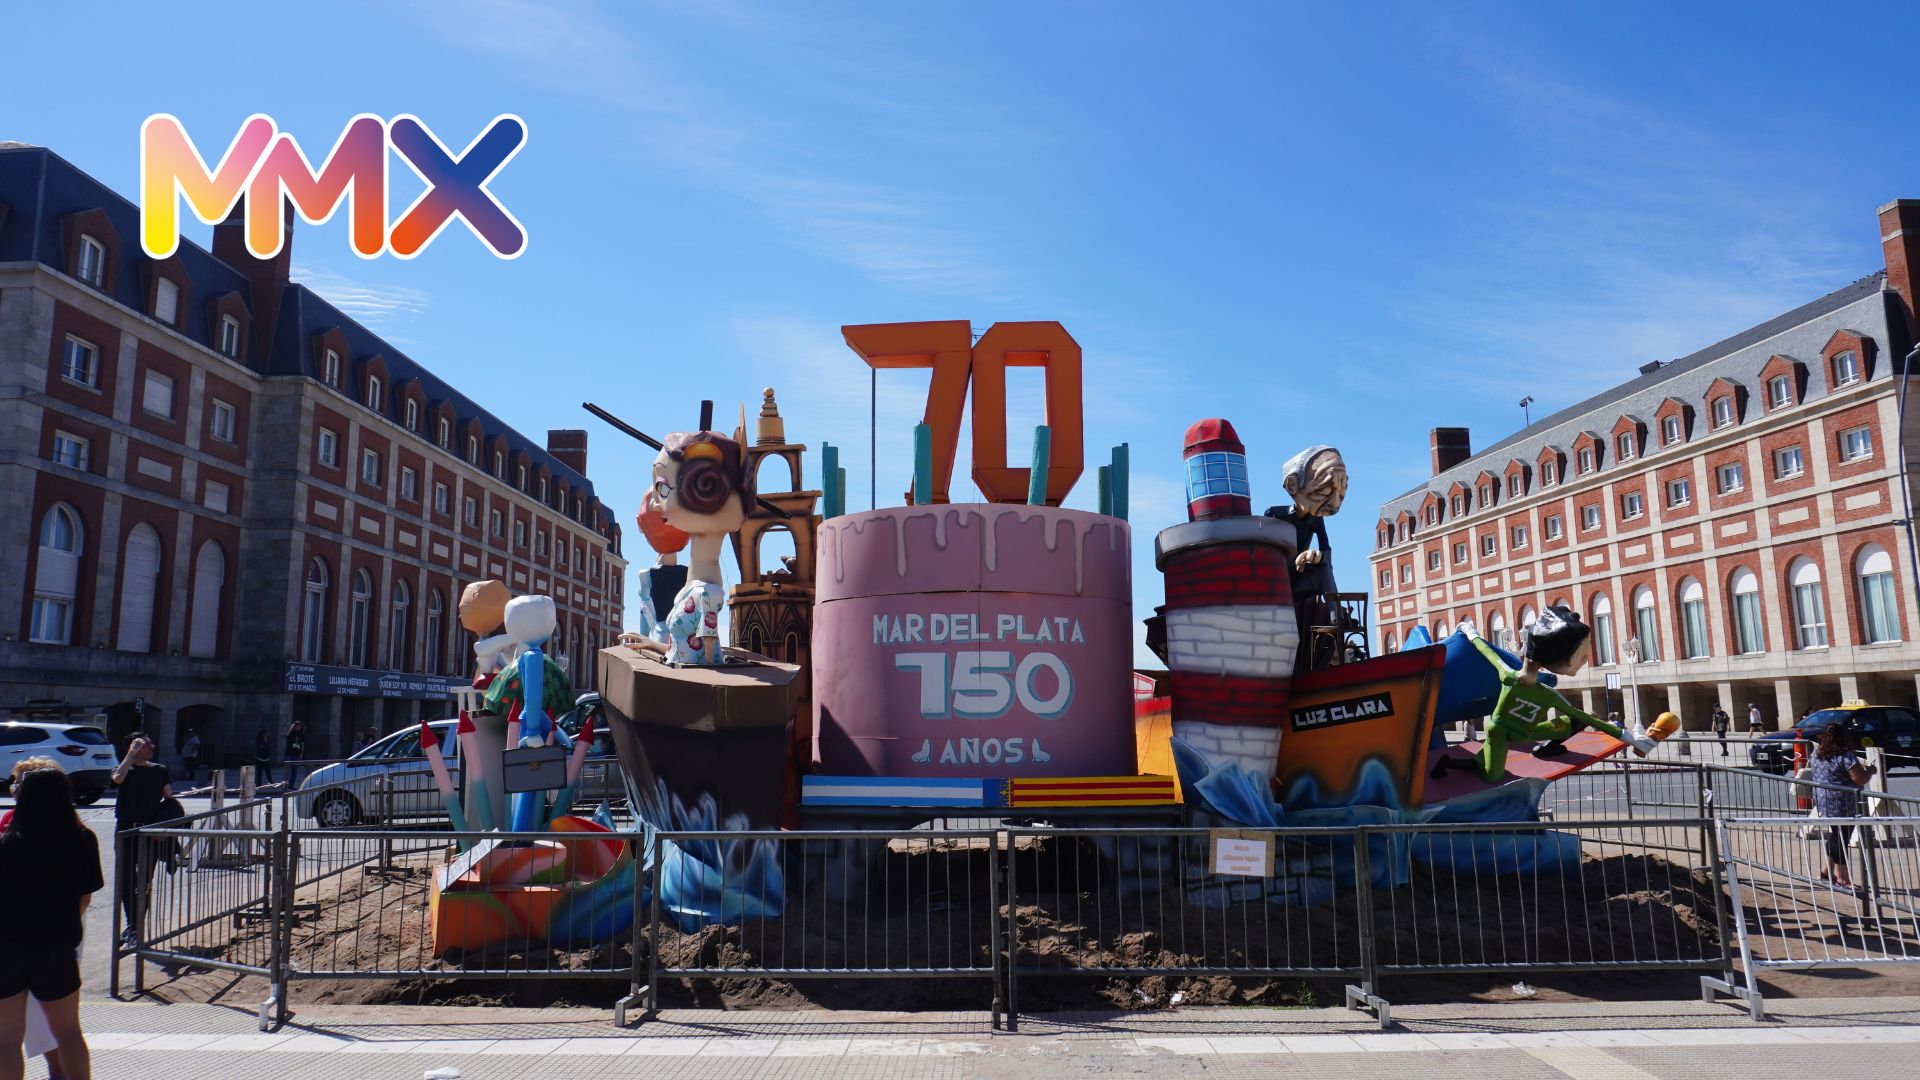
x=390, y=780
x=84, y=753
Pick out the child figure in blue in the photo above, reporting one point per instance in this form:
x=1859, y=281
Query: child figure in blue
x=1529, y=712
x=701, y=487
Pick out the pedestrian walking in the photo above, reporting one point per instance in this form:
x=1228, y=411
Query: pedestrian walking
x=1722, y=724
x=1837, y=769
x=263, y=757
x=191, y=753
x=145, y=790
x=1754, y=726
x=296, y=744
x=39, y=1041
x=40, y=926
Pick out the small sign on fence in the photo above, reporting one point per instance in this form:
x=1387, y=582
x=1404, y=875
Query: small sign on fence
x=1240, y=852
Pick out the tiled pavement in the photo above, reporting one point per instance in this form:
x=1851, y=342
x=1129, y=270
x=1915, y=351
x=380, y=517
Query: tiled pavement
x=1878, y=1038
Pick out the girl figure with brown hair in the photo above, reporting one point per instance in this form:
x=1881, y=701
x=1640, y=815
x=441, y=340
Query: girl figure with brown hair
x=701, y=487
x=40, y=925
x=1836, y=767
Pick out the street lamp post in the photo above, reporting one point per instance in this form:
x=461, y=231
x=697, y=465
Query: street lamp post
x=1526, y=410
x=1633, y=677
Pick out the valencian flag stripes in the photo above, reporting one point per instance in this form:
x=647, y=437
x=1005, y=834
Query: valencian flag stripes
x=989, y=793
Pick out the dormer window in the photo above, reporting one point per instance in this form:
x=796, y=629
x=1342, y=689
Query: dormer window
x=373, y=392
x=330, y=371
x=1549, y=474
x=1722, y=412
x=92, y=265
x=1623, y=447
x=1846, y=369
x=413, y=415
x=1586, y=460
x=1459, y=505
x=1780, y=391
x=520, y=477
x=1670, y=431
x=229, y=336
x=1486, y=496
x=473, y=450
x=543, y=489
x=166, y=301
x=1513, y=484
x=444, y=434
x=499, y=465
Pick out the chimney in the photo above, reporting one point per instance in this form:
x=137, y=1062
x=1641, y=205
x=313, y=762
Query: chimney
x=1900, y=240
x=266, y=278
x=1451, y=446
x=569, y=447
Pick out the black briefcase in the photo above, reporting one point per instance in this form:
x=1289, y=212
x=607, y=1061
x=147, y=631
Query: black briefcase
x=534, y=768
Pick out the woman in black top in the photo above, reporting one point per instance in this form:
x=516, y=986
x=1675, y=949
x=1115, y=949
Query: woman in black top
x=145, y=786
x=40, y=927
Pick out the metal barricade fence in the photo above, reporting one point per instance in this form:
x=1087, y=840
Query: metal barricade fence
x=203, y=892
x=1562, y=896
x=1135, y=902
x=809, y=904
x=1793, y=911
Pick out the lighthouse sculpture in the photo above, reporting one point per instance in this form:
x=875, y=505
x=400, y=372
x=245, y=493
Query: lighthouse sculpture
x=1232, y=635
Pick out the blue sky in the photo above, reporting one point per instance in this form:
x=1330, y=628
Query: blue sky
x=1327, y=223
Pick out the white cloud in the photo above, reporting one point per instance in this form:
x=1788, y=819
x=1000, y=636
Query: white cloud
x=378, y=306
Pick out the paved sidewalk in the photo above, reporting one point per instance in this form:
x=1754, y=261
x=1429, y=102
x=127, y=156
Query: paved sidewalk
x=1873, y=1037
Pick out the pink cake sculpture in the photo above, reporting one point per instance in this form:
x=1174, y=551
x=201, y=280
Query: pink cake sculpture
x=959, y=640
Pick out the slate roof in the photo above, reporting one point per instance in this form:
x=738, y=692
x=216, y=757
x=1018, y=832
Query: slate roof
x=1799, y=334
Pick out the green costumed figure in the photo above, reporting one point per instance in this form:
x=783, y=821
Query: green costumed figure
x=1528, y=712
x=556, y=691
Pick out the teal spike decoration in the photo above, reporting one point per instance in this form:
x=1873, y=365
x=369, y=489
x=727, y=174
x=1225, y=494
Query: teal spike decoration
x=1042, y=458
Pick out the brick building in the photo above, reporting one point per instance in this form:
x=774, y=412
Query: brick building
x=227, y=504
x=1740, y=514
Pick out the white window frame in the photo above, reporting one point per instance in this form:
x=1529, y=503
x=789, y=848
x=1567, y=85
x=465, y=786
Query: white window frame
x=1670, y=431
x=1489, y=546
x=1589, y=518
x=371, y=470
x=409, y=483
x=1808, y=594
x=1625, y=445
x=1730, y=477
x=328, y=445
x=1459, y=552
x=166, y=301
x=1679, y=493
x=92, y=265
x=374, y=388
x=1722, y=408
x=1780, y=391
x=1632, y=506
x=330, y=371
x=440, y=499
x=1555, y=529
x=496, y=524
x=1780, y=471
x=1749, y=622
x=1513, y=485
x=71, y=450
x=80, y=362
x=445, y=430
x=1406, y=573
x=229, y=336
x=1549, y=474
x=1856, y=444
x=470, y=511
x=1848, y=373
x=1434, y=559
x=413, y=415
x=1585, y=459
x=499, y=465
x=519, y=533
x=473, y=450
x=1518, y=537
x=221, y=421
x=157, y=384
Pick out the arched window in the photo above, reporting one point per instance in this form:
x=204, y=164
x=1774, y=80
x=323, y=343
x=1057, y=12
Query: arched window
x=1646, y=625
x=209, y=583
x=1603, y=646
x=139, y=586
x=435, y=606
x=1497, y=630
x=1749, y=631
x=313, y=613
x=359, y=618
x=56, y=577
x=1442, y=631
x=1873, y=571
x=399, y=641
x=1393, y=643
x=1693, y=620
x=1525, y=626
x=1809, y=604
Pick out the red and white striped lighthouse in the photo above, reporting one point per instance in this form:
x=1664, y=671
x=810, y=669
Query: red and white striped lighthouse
x=1232, y=635
x=1216, y=472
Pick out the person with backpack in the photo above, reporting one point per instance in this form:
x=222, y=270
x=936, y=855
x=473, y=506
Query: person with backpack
x=40, y=926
